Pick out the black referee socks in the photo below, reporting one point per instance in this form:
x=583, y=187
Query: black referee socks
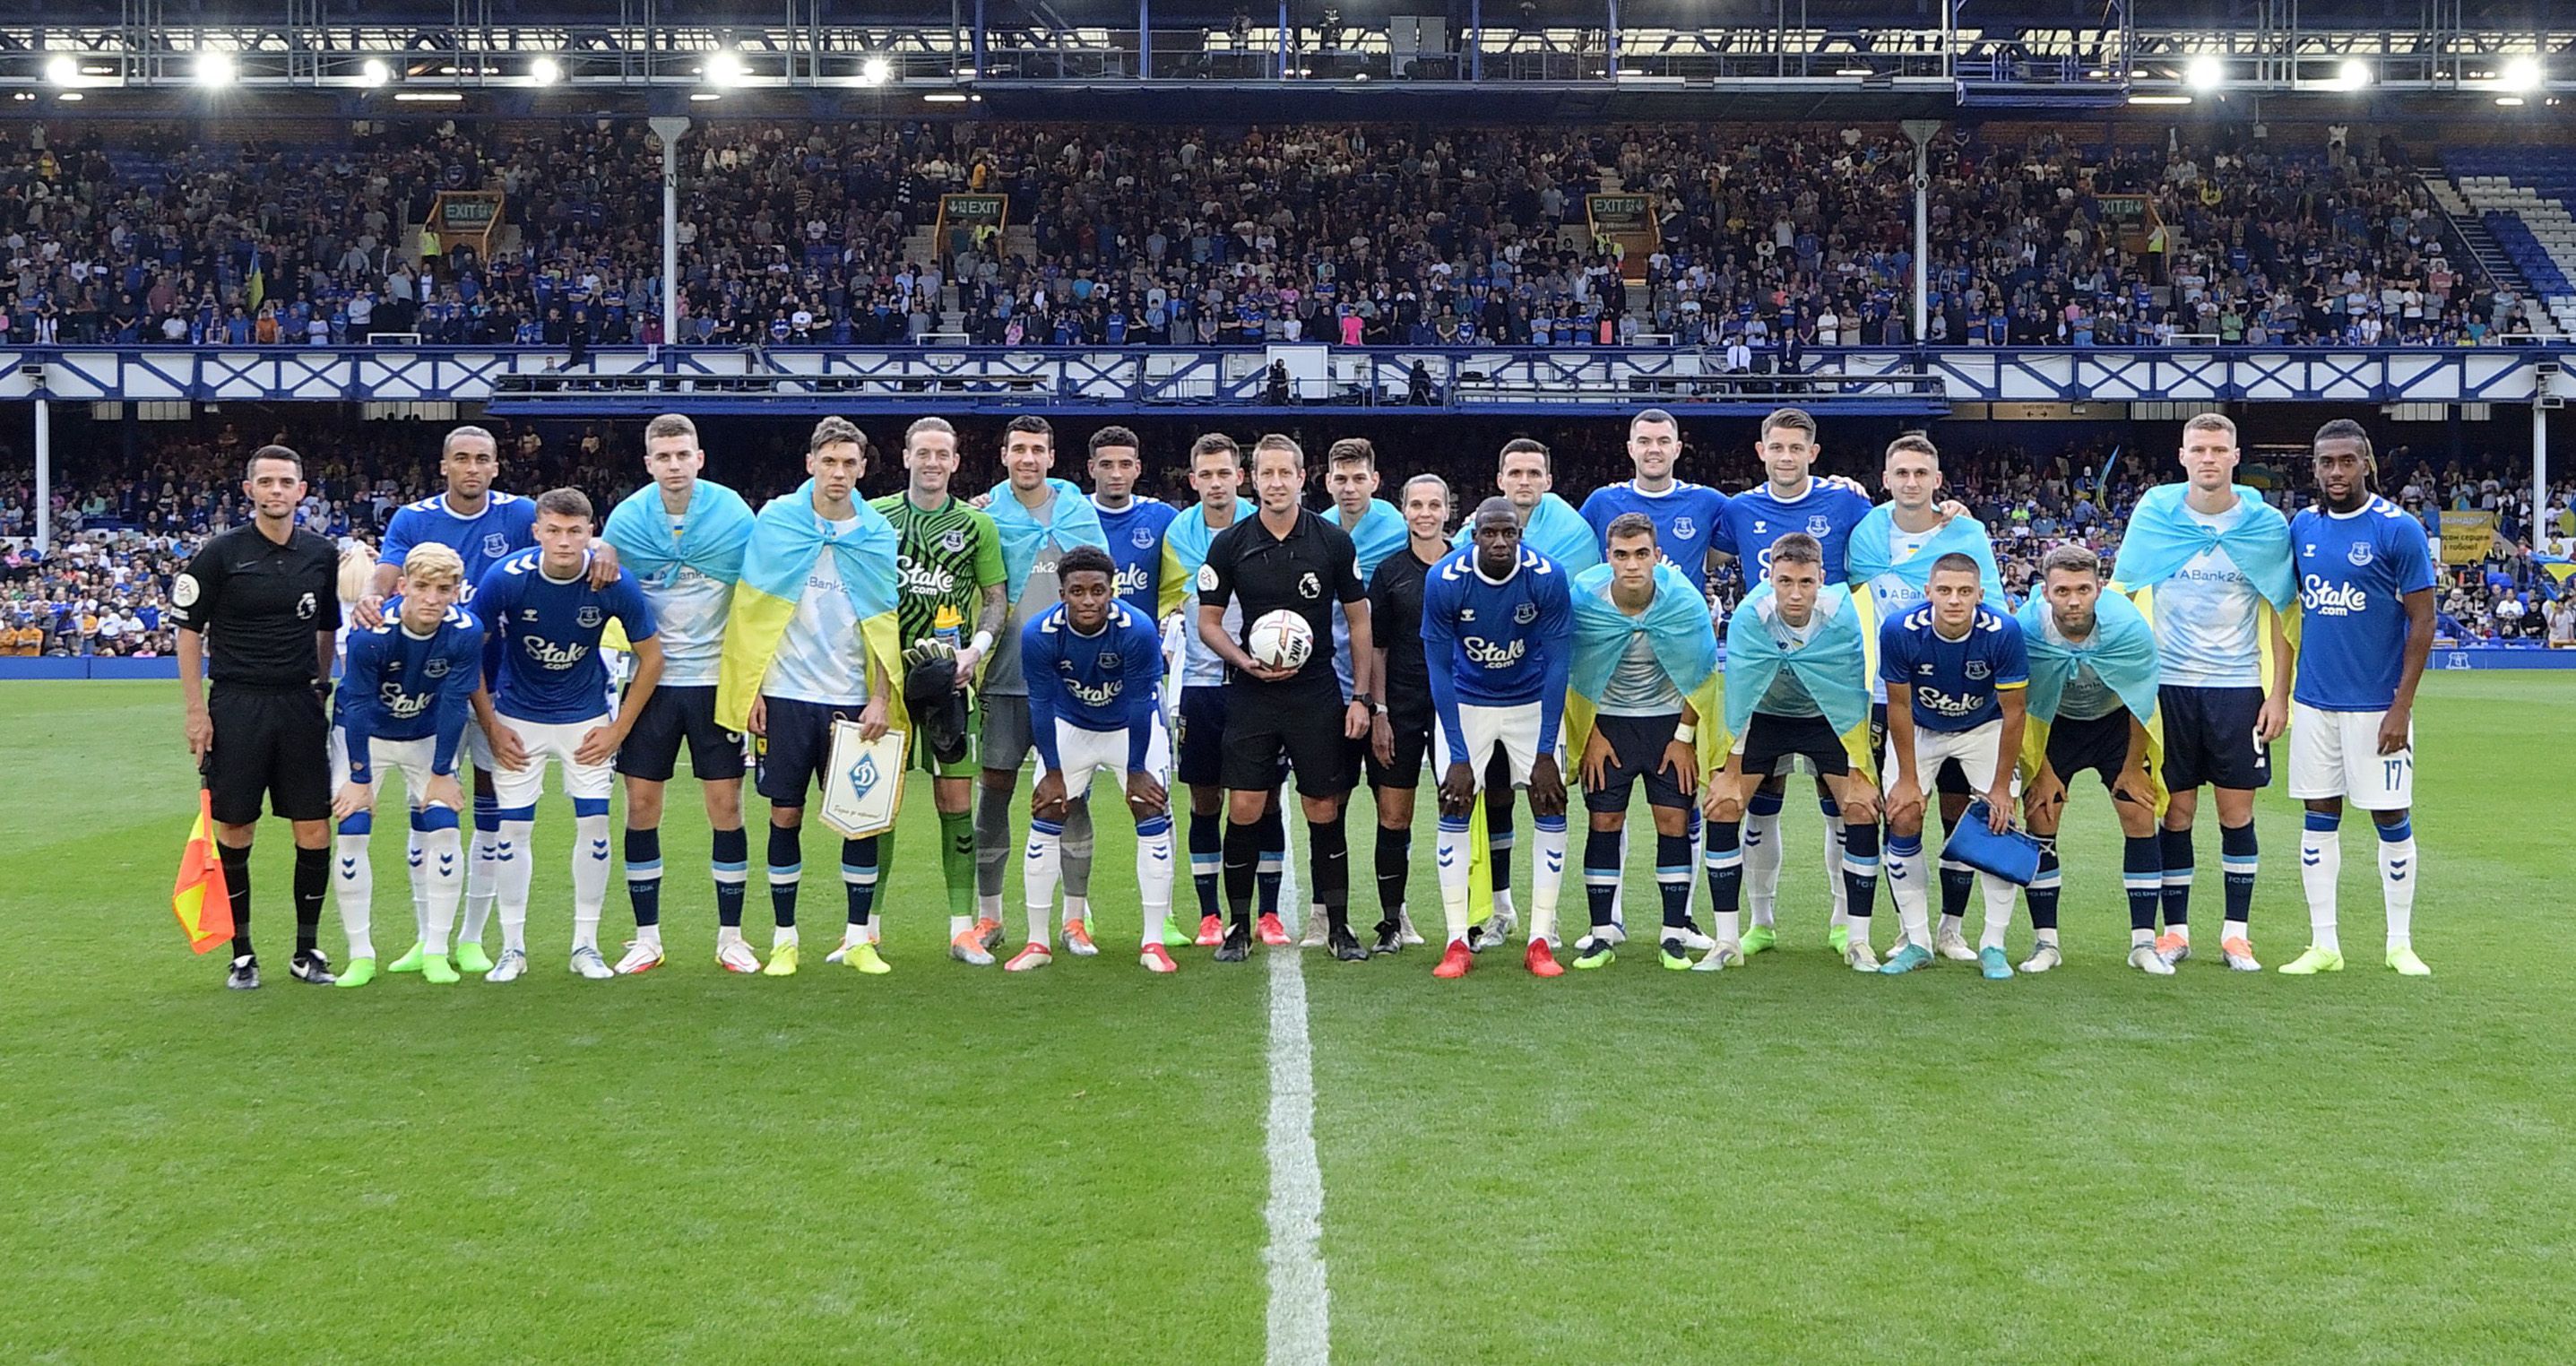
x=1242, y=852
x=236, y=864
x=312, y=883
x=1331, y=851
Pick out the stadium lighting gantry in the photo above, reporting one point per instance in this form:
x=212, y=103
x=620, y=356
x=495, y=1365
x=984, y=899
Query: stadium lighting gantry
x=2205, y=72
x=2521, y=76
x=63, y=69
x=875, y=71
x=725, y=69
x=544, y=71
x=214, y=68
x=374, y=73
x=2353, y=74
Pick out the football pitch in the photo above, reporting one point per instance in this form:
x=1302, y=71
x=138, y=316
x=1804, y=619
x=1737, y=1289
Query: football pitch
x=1787, y=1162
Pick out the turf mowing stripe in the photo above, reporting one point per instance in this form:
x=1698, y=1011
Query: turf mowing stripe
x=1300, y=1302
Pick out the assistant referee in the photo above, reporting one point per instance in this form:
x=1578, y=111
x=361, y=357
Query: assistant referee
x=262, y=602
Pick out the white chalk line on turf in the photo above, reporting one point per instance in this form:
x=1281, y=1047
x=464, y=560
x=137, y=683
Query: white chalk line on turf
x=1300, y=1300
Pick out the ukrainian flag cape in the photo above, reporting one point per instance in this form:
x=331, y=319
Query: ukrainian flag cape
x=1076, y=522
x=1675, y=625
x=1380, y=533
x=1555, y=530
x=2122, y=653
x=1872, y=552
x=715, y=530
x=2162, y=538
x=1833, y=665
x=786, y=539
x=1185, y=547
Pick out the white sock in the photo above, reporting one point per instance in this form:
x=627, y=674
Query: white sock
x=415, y=852
x=2233, y=929
x=512, y=868
x=1619, y=893
x=2320, y=864
x=356, y=886
x=1154, y=881
x=1999, y=909
x=445, y=849
x=1547, y=873
x=2397, y=877
x=2181, y=931
x=1076, y=907
x=781, y=937
x=1040, y=868
x=1762, y=864
x=988, y=908
x=649, y=937
x=589, y=878
x=1905, y=875
x=1451, y=855
x=1953, y=924
x=1503, y=904
x=482, y=884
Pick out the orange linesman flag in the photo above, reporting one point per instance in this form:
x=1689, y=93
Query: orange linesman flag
x=200, y=900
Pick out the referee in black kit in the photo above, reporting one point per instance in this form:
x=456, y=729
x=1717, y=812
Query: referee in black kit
x=1287, y=557
x=263, y=602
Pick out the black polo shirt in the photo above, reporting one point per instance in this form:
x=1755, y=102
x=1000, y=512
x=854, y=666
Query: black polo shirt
x=1395, y=624
x=258, y=605
x=1306, y=572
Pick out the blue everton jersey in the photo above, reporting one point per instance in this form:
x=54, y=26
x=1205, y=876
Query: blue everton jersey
x=398, y=686
x=1752, y=520
x=543, y=655
x=1491, y=644
x=1954, y=681
x=2354, y=572
x=506, y=525
x=1686, y=518
x=1108, y=681
x=1136, y=546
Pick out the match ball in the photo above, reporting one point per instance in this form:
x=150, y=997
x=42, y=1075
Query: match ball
x=1281, y=640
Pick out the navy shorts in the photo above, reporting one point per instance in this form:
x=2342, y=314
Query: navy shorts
x=2101, y=745
x=673, y=716
x=789, y=760
x=1636, y=753
x=2209, y=738
x=1768, y=739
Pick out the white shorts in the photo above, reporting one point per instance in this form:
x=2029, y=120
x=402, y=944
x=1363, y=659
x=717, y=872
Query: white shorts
x=478, y=748
x=1514, y=729
x=2336, y=754
x=1085, y=754
x=557, y=742
x=411, y=758
x=1976, y=750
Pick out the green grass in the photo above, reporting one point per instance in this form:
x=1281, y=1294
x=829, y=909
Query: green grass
x=945, y=1165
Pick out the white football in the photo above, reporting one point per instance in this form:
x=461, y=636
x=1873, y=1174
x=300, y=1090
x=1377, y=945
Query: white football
x=1281, y=639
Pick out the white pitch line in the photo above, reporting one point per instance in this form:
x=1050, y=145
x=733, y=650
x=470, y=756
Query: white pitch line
x=1300, y=1302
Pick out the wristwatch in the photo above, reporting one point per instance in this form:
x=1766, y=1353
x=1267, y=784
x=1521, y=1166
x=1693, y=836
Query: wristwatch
x=1369, y=700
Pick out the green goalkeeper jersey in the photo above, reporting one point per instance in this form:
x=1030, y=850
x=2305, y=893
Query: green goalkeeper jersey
x=946, y=557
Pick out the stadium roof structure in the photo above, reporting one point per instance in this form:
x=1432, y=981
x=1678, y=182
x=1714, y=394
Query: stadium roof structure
x=1229, y=60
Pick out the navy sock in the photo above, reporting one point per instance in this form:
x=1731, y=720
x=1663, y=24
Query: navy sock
x=1673, y=876
x=644, y=875
x=1601, y=874
x=731, y=862
x=2174, y=853
x=1860, y=869
x=2240, y=857
x=1207, y=857
x=1725, y=866
x=2043, y=889
x=859, y=876
x=786, y=867
x=2143, y=872
x=1957, y=881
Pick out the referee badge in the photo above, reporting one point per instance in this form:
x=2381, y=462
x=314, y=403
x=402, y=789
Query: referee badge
x=183, y=591
x=1207, y=578
x=304, y=608
x=1308, y=586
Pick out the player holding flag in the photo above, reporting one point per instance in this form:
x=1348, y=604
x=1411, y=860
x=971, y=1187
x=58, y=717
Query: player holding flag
x=1497, y=622
x=544, y=621
x=406, y=692
x=1955, y=672
x=2366, y=599
x=2093, y=683
x=683, y=538
x=1095, y=671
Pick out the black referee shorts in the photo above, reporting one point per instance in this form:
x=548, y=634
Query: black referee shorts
x=1411, y=719
x=673, y=716
x=272, y=745
x=1302, y=720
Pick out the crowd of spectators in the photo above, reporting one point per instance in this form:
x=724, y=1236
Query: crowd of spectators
x=1770, y=240
x=124, y=525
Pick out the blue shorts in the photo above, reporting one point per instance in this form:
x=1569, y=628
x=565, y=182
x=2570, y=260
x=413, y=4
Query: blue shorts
x=2209, y=738
x=789, y=760
x=673, y=716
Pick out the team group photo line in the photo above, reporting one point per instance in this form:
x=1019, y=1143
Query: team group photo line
x=1206, y=660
